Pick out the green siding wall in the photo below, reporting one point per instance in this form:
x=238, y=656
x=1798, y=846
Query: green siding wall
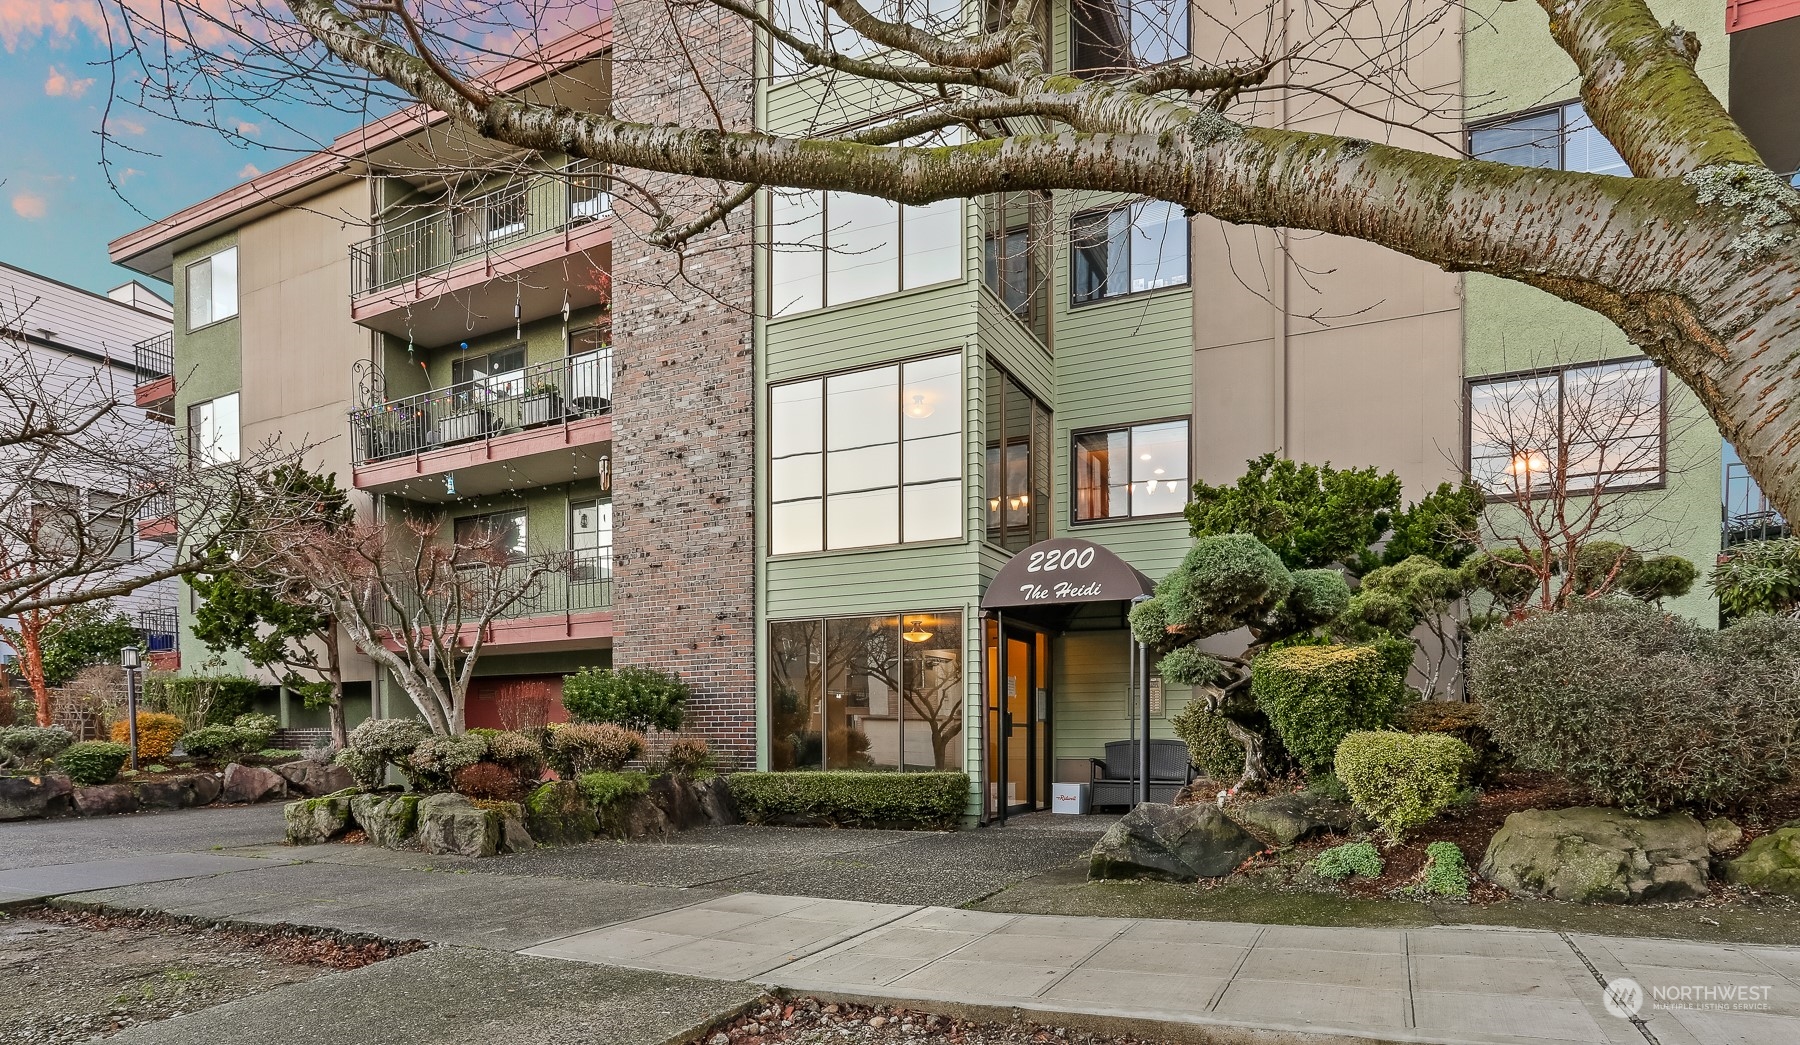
x=1091, y=676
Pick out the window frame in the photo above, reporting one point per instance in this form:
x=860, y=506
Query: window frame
x=994, y=458
x=824, y=252
x=1076, y=433
x=237, y=436
x=1561, y=108
x=900, y=486
x=1560, y=371
x=188, y=285
x=1187, y=275
x=521, y=513
x=1132, y=12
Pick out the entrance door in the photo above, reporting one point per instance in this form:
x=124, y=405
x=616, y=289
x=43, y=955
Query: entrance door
x=1018, y=726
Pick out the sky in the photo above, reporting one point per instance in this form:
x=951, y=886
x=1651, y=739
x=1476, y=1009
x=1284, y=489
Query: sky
x=57, y=210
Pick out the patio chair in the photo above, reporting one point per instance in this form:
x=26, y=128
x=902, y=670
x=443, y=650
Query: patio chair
x=1116, y=777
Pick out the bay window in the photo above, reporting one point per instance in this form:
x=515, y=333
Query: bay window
x=1018, y=464
x=832, y=248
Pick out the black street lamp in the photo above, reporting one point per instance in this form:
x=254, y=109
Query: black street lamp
x=129, y=659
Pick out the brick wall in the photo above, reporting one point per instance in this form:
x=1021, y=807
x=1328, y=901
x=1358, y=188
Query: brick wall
x=684, y=537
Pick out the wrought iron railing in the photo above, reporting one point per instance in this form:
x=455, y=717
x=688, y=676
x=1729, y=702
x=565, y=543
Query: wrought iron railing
x=566, y=389
x=480, y=226
x=1747, y=514
x=155, y=358
x=583, y=587
x=157, y=625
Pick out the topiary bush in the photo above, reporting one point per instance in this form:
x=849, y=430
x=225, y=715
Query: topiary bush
x=489, y=780
x=640, y=699
x=367, y=770
x=1462, y=720
x=1315, y=695
x=577, y=749
x=1402, y=780
x=1647, y=710
x=93, y=762
x=1446, y=871
x=935, y=801
x=435, y=761
x=603, y=787
x=157, y=733
x=1352, y=858
x=223, y=744
x=1211, y=749
x=688, y=756
x=382, y=742
x=24, y=747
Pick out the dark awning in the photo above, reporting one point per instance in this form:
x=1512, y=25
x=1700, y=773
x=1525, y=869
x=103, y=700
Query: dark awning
x=1064, y=571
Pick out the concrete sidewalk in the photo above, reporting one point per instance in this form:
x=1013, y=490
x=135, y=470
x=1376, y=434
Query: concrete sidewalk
x=26, y=885
x=1478, y=986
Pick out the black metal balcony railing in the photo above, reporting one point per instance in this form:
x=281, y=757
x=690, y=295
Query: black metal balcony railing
x=155, y=358
x=567, y=389
x=480, y=226
x=1747, y=515
x=156, y=507
x=157, y=625
x=585, y=587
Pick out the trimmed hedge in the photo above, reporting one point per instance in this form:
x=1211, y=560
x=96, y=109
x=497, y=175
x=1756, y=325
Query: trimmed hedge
x=1315, y=695
x=93, y=761
x=157, y=733
x=1402, y=780
x=580, y=748
x=935, y=801
x=603, y=787
x=222, y=744
x=1462, y=720
x=640, y=699
x=26, y=746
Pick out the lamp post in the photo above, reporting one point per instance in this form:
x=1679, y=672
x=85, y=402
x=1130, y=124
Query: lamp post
x=129, y=660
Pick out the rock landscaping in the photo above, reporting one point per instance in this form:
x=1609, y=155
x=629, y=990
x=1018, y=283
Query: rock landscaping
x=1172, y=843
x=1594, y=855
x=1771, y=863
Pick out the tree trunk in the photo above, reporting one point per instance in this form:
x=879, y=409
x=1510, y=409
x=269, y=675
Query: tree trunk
x=1254, y=773
x=340, y=734
x=31, y=638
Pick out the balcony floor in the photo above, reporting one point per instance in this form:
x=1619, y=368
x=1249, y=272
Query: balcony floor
x=552, y=454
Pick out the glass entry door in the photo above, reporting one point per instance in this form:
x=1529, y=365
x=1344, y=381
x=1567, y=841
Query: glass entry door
x=1018, y=721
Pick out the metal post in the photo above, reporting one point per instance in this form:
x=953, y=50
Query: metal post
x=1144, y=738
x=128, y=659
x=1001, y=722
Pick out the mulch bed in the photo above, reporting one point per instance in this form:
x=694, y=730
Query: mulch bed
x=281, y=943
x=808, y=1021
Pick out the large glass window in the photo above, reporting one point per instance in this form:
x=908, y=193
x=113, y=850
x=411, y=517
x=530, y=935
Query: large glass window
x=1014, y=263
x=813, y=22
x=213, y=430
x=212, y=289
x=870, y=693
x=1128, y=473
x=1121, y=35
x=868, y=457
x=1559, y=138
x=1018, y=464
x=504, y=532
x=497, y=374
x=1131, y=249
x=1578, y=428
x=837, y=247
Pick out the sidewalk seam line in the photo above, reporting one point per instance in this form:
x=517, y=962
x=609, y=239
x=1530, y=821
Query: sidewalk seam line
x=1412, y=1017
x=1219, y=994
x=1084, y=959
x=1639, y=1022
x=848, y=936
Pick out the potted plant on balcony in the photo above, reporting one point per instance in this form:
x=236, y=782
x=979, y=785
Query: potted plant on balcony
x=462, y=421
x=540, y=405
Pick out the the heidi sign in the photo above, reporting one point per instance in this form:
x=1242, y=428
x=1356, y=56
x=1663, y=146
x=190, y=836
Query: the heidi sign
x=1064, y=570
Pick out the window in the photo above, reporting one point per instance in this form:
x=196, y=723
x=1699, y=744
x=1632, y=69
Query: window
x=1560, y=138
x=489, y=219
x=1128, y=250
x=1018, y=464
x=590, y=369
x=212, y=289
x=490, y=376
x=1582, y=428
x=1131, y=473
x=837, y=247
x=872, y=693
x=74, y=523
x=590, y=530
x=213, y=430
x=1013, y=262
x=811, y=21
x=1119, y=35
x=866, y=458
x=502, y=532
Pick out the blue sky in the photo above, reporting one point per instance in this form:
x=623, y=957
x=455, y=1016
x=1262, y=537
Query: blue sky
x=57, y=211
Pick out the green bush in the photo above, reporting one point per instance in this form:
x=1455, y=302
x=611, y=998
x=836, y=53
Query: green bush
x=581, y=748
x=382, y=742
x=840, y=799
x=222, y=744
x=603, y=788
x=1446, y=872
x=1211, y=749
x=26, y=746
x=1462, y=720
x=436, y=760
x=1352, y=858
x=1758, y=577
x=639, y=699
x=259, y=724
x=1314, y=695
x=279, y=755
x=93, y=762
x=1326, y=784
x=1647, y=710
x=201, y=700
x=367, y=769
x=1402, y=780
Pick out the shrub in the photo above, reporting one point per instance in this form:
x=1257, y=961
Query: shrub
x=603, y=787
x=157, y=733
x=278, y=755
x=1446, y=872
x=1402, y=780
x=1647, y=710
x=367, y=769
x=200, y=700
x=222, y=744
x=260, y=724
x=435, y=762
x=1314, y=695
x=1759, y=577
x=640, y=699
x=1352, y=858
x=841, y=799
x=322, y=755
x=516, y=751
x=489, y=780
x=26, y=746
x=391, y=739
x=1326, y=784
x=1211, y=749
x=93, y=762
x=577, y=749
x=1462, y=720
x=688, y=756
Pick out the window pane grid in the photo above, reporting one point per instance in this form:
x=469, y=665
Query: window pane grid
x=1598, y=426
x=1134, y=472
x=1132, y=249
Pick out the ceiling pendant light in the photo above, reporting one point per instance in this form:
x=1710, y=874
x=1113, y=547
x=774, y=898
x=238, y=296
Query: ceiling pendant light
x=915, y=631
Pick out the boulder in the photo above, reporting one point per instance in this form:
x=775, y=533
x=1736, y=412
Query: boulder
x=1286, y=819
x=1772, y=863
x=252, y=784
x=1592, y=855
x=637, y=816
x=311, y=779
x=174, y=793
x=716, y=802
x=207, y=788
x=1722, y=836
x=675, y=796
x=387, y=819
x=30, y=797
x=1172, y=843
x=514, y=838
x=311, y=821
x=452, y=825
x=558, y=814
x=106, y=799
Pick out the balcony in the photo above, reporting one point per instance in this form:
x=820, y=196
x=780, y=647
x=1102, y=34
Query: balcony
x=565, y=608
x=548, y=423
x=157, y=523
x=546, y=235
x=155, y=362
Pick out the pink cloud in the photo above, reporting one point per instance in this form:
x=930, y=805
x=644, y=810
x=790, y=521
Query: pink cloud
x=249, y=170
x=57, y=19
x=127, y=126
x=58, y=84
x=29, y=205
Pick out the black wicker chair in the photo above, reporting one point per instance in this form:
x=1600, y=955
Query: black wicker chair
x=1116, y=777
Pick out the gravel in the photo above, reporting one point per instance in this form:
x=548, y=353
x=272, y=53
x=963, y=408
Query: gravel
x=809, y=1021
